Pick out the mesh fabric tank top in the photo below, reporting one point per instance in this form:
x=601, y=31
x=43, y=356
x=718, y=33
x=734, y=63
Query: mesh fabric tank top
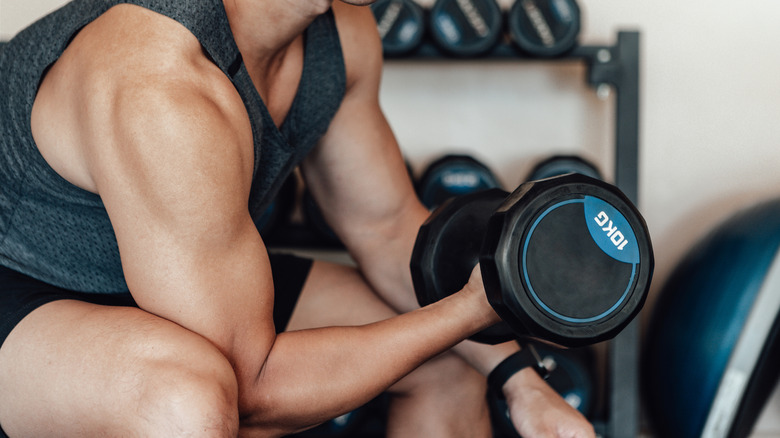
x=60, y=234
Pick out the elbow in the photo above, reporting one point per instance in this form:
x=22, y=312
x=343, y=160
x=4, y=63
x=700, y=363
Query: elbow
x=265, y=400
x=273, y=402
x=267, y=412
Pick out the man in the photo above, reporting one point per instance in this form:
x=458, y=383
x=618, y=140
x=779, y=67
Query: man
x=139, y=141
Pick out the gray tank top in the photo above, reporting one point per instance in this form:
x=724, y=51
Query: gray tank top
x=60, y=234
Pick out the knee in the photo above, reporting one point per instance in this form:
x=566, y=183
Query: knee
x=190, y=395
x=445, y=375
x=186, y=403
x=443, y=397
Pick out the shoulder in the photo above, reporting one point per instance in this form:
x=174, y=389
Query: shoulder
x=133, y=48
x=130, y=47
x=139, y=66
x=148, y=104
x=360, y=42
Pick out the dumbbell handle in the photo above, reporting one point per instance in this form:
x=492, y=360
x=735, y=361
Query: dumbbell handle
x=457, y=255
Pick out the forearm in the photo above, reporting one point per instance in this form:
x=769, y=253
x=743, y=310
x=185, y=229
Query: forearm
x=383, y=256
x=312, y=375
x=386, y=267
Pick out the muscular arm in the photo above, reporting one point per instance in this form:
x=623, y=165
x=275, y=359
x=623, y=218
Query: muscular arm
x=166, y=144
x=358, y=176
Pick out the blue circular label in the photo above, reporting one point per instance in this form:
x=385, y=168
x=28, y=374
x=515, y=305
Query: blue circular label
x=611, y=232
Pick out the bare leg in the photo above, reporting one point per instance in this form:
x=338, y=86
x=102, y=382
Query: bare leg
x=73, y=369
x=445, y=397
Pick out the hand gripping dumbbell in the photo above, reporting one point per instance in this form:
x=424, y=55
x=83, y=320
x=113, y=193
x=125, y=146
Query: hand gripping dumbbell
x=566, y=260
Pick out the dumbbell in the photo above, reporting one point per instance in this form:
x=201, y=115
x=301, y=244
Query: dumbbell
x=544, y=28
x=563, y=164
x=453, y=175
x=566, y=260
x=401, y=25
x=465, y=28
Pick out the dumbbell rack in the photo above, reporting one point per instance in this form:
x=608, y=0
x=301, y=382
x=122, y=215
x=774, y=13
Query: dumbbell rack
x=617, y=67
x=621, y=70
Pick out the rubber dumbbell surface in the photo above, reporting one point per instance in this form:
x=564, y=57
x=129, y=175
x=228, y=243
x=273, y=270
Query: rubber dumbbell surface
x=563, y=164
x=401, y=25
x=454, y=175
x=447, y=249
x=466, y=28
x=544, y=28
x=567, y=260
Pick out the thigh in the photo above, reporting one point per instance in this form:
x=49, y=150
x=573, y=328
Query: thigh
x=73, y=368
x=335, y=295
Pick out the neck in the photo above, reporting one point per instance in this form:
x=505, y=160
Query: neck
x=263, y=29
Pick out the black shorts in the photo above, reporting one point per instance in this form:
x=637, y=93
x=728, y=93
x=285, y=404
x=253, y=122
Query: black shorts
x=20, y=294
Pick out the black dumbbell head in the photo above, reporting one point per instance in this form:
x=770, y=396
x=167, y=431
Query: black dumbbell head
x=447, y=249
x=401, y=25
x=563, y=164
x=544, y=28
x=454, y=175
x=567, y=260
x=466, y=28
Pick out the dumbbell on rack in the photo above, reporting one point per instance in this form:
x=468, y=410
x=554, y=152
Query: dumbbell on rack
x=401, y=25
x=566, y=260
x=453, y=175
x=461, y=28
x=544, y=28
x=466, y=28
x=471, y=28
x=563, y=164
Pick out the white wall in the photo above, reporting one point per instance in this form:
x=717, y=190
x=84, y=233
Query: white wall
x=710, y=112
x=16, y=14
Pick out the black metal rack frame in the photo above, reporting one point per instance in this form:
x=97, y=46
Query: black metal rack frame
x=616, y=66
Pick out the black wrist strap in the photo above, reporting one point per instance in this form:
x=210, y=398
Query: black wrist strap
x=527, y=357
